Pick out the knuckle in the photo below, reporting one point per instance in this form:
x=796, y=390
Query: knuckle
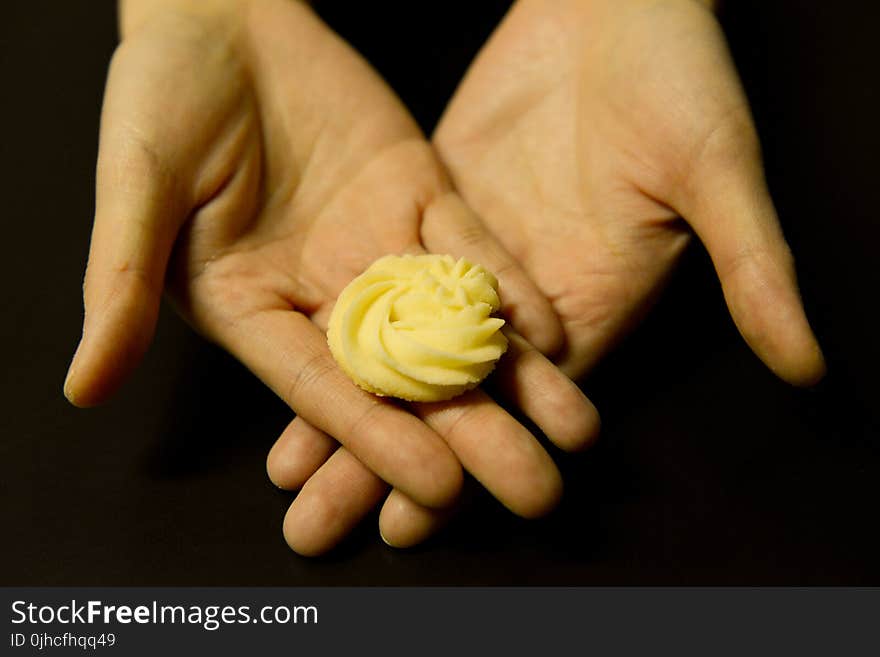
x=471, y=235
x=743, y=261
x=728, y=146
x=133, y=157
x=503, y=266
x=730, y=140
x=368, y=420
x=137, y=276
x=313, y=371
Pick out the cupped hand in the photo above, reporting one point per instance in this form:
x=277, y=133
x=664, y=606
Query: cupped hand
x=251, y=164
x=581, y=135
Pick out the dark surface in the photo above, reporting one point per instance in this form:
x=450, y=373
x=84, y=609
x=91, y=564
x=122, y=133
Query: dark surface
x=710, y=470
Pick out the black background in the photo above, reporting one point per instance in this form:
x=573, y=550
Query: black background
x=710, y=471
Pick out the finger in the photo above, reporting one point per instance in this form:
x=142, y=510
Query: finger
x=331, y=504
x=497, y=450
x=403, y=523
x=730, y=209
x=302, y=450
x=139, y=210
x=528, y=380
x=544, y=394
x=287, y=352
x=449, y=226
x=298, y=453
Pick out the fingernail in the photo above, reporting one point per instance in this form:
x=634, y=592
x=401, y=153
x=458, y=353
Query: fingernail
x=68, y=393
x=69, y=379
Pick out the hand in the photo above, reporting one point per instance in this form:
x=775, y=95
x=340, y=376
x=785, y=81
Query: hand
x=584, y=129
x=252, y=164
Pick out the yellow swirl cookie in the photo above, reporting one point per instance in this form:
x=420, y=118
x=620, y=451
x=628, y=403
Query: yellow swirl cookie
x=418, y=327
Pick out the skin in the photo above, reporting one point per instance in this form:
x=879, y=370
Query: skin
x=250, y=165
x=595, y=139
x=642, y=120
x=548, y=139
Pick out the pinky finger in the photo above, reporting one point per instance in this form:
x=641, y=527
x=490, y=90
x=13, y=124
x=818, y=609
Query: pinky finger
x=404, y=523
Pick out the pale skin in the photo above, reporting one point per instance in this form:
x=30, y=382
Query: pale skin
x=568, y=182
x=582, y=133
x=252, y=164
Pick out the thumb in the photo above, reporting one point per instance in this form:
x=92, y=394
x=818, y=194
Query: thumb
x=730, y=209
x=138, y=213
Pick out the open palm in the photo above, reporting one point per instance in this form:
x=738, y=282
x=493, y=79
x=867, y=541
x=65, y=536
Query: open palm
x=584, y=130
x=252, y=164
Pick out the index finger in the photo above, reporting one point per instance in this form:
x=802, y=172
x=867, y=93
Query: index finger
x=290, y=354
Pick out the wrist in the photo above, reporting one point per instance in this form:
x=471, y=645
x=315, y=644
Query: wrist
x=134, y=14
x=612, y=5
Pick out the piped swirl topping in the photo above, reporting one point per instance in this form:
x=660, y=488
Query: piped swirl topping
x=418, y=327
